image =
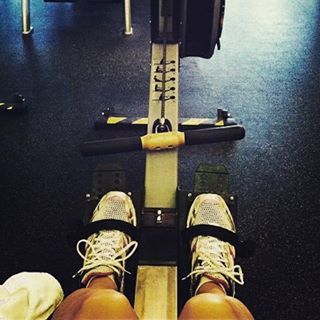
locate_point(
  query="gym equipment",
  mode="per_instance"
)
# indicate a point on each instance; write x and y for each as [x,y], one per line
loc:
[27,29]
[109,120]
[163,140]
[25,14]
[14,105]
[196,26]
[201,27]
[165,206]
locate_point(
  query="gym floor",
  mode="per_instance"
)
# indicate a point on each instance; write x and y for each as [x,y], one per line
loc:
[77,63]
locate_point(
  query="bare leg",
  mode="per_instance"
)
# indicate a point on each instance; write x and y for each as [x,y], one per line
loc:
[100,300]
[211,302]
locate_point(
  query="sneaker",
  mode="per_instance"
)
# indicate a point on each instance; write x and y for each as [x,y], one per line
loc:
[107,250]
[212,259]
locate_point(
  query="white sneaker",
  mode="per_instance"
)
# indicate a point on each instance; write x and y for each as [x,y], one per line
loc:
[107,250]
[212,259]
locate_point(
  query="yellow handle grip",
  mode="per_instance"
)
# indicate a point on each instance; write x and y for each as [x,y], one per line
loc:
[162,141]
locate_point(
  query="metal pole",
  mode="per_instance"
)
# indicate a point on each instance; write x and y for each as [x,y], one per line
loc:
[26,27]
[127,18]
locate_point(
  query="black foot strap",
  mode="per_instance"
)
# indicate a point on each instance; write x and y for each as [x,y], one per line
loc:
[244,248]
[110,224]
[81,231]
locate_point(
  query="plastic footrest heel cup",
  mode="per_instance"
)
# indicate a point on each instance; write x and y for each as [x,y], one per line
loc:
[107,178]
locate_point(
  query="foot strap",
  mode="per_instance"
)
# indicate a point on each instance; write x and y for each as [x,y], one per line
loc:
[81,231]
[110,224]
[244,248]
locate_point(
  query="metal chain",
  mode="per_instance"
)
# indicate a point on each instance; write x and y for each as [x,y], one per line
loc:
[164,68]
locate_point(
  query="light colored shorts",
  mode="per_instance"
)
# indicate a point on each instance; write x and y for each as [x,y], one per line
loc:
[29,296]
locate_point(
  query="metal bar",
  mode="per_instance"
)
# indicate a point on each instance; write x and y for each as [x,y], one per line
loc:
[127,18]
[156,287]
[161,177]
[25,12]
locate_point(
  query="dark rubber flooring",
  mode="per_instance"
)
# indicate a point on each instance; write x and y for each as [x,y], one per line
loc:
[77,63]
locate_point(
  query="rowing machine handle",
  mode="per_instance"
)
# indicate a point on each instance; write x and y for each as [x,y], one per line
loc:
[217,134]
[99,147]
[162,141]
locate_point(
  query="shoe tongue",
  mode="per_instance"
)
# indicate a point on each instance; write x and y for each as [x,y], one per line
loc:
[113,235]
[215,248]
[208,242]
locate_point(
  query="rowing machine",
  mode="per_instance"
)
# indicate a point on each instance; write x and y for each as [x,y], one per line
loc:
[172,38]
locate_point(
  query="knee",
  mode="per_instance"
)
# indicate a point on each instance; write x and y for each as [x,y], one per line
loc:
[100,303]
[205,305]
[104,296]
[214,306]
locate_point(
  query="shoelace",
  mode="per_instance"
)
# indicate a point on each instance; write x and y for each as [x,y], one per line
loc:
[103,253]
[213,255]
